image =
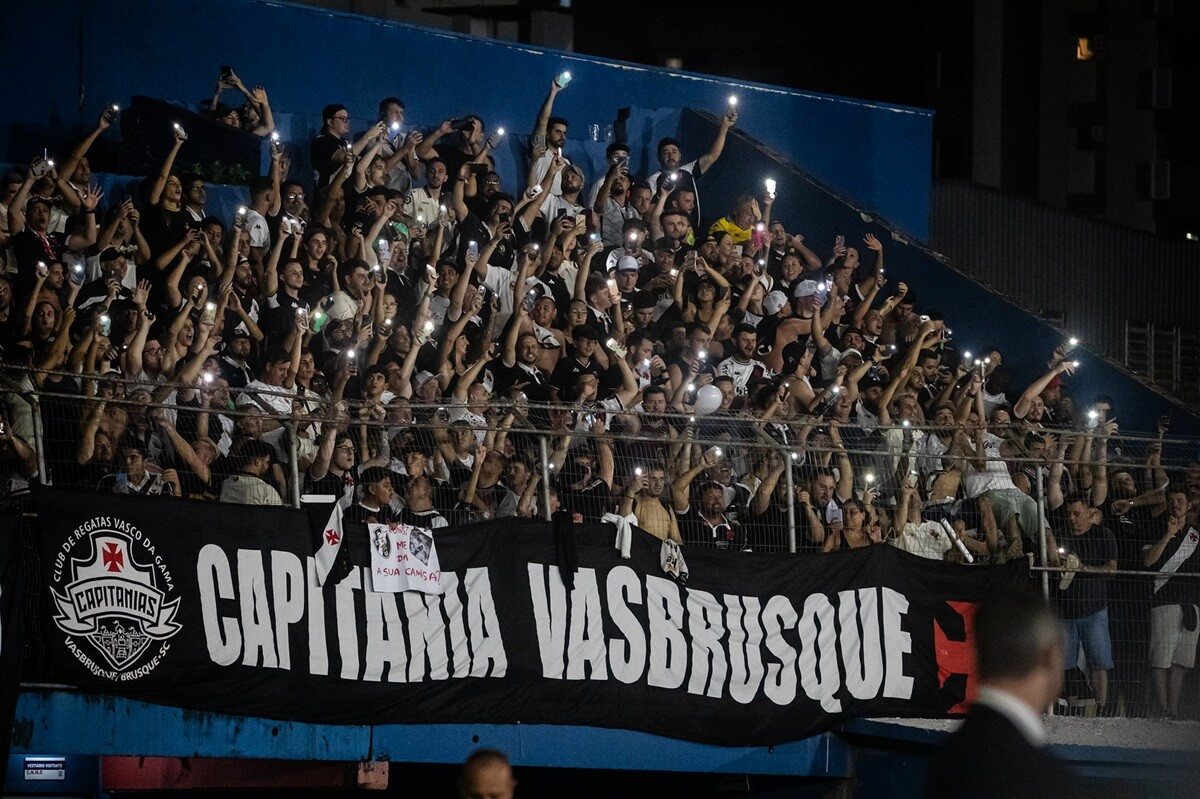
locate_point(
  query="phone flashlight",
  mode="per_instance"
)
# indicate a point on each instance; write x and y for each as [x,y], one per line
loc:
[869,477]
[703,355]
[275,136]
[637,470]
[429,327]
[733,100]
[208,378]
[351,355]
[691,387]
[1075,364]
[770,183]
[395,126]
[499,131]
[241,210]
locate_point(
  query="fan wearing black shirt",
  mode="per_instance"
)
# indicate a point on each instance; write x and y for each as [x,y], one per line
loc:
[702,521]
[582,490]
[375,505]
[768,512]
[330,149]
[581,361]
[418,507]
[332,471]
[1084,602]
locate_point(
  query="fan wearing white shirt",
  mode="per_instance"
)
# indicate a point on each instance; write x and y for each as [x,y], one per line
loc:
[264,202]
[549,135]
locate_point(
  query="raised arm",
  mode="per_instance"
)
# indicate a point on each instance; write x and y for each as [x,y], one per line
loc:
[160,182]
[681,487]
[543,117]
[845,484]
[1038,386]
[762,495]
[718,145]
[68,169]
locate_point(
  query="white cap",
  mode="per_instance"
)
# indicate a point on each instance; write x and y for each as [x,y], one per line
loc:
[627,263]
[806,288]
[773,302]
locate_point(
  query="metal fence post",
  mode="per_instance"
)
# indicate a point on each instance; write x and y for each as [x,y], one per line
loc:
[294,463]
[791,501]
[39,441]
[1041,506]
[545,458]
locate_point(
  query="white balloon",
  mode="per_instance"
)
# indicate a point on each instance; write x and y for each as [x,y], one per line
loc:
[708,399]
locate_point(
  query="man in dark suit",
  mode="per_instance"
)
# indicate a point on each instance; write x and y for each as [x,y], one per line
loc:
[1000,748]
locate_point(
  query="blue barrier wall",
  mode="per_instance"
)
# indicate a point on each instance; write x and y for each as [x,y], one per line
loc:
[81,56]
[978,316]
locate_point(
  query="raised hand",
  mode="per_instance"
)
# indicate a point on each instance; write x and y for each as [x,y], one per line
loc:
[92,196]
[872,242]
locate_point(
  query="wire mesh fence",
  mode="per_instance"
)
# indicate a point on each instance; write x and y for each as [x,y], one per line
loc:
[1108,520]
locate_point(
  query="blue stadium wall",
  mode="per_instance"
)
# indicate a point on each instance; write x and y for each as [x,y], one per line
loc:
[81,56]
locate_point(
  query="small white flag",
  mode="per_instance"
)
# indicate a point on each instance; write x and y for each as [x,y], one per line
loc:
[331,537]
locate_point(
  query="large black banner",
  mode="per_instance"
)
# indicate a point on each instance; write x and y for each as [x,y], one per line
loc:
[218,608]
[12,623]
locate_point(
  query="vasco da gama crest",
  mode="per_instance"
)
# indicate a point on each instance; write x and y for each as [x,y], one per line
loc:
[114,599]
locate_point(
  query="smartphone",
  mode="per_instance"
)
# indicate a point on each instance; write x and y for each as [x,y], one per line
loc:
[226,72]
[473,249]
[562,79]
[210,313]
[302,314]
[105,325]
[533,191]
[122,483]
[41,167]
[112,113]
[42,269]
[77,274]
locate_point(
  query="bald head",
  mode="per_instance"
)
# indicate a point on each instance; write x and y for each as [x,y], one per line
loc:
[487,775]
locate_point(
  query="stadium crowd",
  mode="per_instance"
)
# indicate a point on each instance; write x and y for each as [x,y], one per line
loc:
[398,331]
